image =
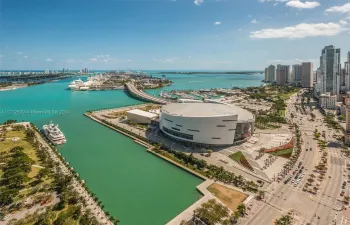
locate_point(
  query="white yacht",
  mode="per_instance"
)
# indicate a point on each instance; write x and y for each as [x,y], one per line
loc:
[75,84]
[84,88]
[54,134]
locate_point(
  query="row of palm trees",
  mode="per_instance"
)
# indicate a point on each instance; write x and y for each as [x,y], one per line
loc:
[287,167]
[76,175]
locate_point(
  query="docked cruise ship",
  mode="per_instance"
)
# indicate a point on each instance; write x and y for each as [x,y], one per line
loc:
[76,84]
[91,82]
[54,134]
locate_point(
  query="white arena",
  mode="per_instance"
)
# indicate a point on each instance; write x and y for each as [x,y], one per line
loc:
[207,124]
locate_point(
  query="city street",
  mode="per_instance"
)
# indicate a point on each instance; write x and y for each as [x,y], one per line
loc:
[325,206]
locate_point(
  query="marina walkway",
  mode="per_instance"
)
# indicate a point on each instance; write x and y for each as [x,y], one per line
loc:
[130,87]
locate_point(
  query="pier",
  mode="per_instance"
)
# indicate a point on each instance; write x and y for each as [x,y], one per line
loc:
[133,91]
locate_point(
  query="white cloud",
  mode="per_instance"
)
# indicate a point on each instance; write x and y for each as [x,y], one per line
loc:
[102,56]
[276,60]
[273,0]
[254,21]
[275,4]
[299,31]
[343,22]
[25,56]
[168,60]
[240,29]
[250,16]
[1,56]
[340,9]
[198,2]
[93,59]
[49,60]
[217,23]
[19,53]
[302,5]
[293,61]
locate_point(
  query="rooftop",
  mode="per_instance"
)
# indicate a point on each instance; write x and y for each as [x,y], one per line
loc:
[207,110]
[142,113]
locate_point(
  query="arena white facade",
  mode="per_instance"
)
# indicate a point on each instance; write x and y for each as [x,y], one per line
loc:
[206,123]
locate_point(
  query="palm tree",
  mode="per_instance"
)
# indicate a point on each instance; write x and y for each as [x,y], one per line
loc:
[241,209]
[116,221]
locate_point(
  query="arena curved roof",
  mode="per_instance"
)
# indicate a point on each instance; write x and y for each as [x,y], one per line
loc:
[207,110]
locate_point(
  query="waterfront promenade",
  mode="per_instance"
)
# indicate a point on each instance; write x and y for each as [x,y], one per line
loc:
[187,214]
[91,204]
[133,91]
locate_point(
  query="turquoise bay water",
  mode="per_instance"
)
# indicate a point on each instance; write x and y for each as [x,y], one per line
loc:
[134,186]
[207,81]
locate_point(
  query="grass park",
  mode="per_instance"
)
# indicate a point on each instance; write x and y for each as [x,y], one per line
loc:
[240,158]
[286,153]
[29,178]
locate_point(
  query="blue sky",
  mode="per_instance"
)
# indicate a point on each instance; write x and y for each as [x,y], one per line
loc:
[169,34]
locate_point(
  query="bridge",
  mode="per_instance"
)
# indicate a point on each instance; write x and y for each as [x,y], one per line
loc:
[133,91]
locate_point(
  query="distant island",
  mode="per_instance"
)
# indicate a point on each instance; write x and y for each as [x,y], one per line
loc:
[213,72]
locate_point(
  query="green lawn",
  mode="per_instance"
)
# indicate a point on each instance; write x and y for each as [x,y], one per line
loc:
[8,144]
[239,157]
[283,152]
[286,153]
[28,149]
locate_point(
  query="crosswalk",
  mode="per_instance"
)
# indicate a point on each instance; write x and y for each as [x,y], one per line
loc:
[344,221]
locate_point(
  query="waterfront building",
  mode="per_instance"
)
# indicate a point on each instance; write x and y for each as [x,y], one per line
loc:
[330,70]
[266,74]
[296,73]
[282,74]
[327,100]
[63,71]
[307,75]
[206,124]
[47,71]
[272,73]
[140,116]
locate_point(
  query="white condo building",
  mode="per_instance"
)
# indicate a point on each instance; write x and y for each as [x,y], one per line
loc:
[330,70]
[327,100]
[208,124]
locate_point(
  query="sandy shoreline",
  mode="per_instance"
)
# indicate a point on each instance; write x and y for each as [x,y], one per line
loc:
[11,88]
